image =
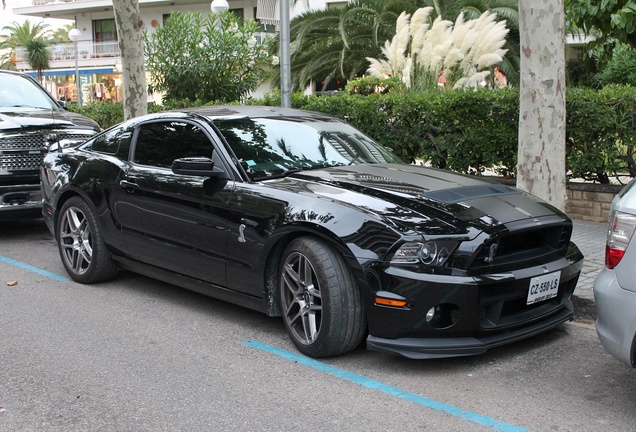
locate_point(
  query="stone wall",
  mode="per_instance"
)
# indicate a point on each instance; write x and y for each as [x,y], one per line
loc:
[590,202]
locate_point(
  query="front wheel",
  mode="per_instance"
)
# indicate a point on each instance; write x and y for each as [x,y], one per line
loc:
[84,254]
[321,305]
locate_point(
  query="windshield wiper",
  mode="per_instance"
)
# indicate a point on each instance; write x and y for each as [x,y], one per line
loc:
[278,175]
[26,106]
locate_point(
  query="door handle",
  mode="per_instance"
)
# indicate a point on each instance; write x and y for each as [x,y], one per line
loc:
[128,186]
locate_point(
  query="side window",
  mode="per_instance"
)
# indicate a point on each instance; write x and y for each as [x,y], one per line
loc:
[160,143]
[110,141]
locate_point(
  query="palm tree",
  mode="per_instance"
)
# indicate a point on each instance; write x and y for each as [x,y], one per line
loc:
[334,43]
[60,34]
[38,56]
[19,35]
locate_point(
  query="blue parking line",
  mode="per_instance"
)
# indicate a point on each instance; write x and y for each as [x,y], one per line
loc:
[33,269]
[388,389]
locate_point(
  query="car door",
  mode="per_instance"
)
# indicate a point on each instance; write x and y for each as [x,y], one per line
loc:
[172,221]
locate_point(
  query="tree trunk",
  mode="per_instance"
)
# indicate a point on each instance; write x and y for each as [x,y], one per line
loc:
[541,154]
[129,35]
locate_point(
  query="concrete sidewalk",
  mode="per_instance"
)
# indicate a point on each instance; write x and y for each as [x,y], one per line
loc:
[590,238]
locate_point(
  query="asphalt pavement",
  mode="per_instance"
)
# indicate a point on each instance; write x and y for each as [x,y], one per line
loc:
[590,238]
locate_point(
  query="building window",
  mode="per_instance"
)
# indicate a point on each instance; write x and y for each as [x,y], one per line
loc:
[239,13]
[105,37]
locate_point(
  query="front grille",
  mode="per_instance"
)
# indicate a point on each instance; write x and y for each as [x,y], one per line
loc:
[26,152]
[22,142]
[521,249]
[14,162]
[75,137]
[505,306]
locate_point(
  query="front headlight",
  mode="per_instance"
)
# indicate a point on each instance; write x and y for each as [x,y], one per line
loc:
[433,253]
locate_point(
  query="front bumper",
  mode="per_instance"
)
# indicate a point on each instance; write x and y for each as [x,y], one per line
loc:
[429,348]
[20,200]
[485,311]
[616,322]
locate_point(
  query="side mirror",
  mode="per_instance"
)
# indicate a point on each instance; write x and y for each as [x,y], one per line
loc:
[196,166]
[61,104]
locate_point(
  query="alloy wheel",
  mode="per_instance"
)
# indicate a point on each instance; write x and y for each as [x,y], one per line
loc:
[301,298]
[75,240]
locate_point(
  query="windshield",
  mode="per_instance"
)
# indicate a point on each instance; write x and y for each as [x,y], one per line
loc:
[19,92]
[273,147]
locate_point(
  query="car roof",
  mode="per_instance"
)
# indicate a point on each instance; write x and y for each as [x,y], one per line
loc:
[251,111]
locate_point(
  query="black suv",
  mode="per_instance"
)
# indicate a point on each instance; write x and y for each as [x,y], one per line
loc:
[31,122]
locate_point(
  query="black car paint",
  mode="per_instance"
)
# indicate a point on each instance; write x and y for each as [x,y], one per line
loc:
[36,119]
[173,231]
[25,134]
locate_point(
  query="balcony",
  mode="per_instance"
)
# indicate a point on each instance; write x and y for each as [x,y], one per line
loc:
[89,54]
[63,55]
[68,9]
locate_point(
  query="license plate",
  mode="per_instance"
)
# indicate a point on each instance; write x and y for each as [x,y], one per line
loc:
[543,288]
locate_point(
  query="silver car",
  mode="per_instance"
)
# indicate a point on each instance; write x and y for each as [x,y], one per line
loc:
[615,286]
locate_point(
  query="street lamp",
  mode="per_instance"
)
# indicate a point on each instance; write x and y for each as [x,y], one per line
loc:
[285,55]
[219,6]
[74,35]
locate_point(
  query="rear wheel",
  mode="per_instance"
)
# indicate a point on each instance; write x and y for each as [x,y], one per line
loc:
[82,249]
[320,303]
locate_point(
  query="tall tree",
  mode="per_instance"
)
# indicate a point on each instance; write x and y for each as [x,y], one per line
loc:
[60,34]
[38,55]
[607,19]
[130,38]
[541,154]
[17,35]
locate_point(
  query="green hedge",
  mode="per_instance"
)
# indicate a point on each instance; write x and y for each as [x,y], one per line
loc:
[473,130]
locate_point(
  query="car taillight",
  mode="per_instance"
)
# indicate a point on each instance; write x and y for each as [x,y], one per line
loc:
[621,229]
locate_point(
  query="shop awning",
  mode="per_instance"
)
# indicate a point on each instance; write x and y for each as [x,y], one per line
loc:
[66,72]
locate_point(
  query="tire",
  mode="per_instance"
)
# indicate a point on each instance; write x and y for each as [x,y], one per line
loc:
[320,303]
[84,254]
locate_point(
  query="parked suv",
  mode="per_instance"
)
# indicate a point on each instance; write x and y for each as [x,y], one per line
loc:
[615,286]
[31,122]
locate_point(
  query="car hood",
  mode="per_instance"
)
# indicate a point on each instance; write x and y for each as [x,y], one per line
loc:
[21,118]
[429,200]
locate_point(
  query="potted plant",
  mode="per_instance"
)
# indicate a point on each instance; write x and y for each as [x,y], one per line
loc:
[84,53]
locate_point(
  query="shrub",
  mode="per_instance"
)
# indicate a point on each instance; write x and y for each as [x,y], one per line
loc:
[370,85]
[211,58]
[467,131]
[621,69]
[601,133]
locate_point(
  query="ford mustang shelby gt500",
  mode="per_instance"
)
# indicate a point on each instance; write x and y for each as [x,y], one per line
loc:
[298,214]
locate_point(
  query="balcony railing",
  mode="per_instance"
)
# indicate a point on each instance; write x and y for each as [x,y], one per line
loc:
[85,49]
[29,3]
[89,49]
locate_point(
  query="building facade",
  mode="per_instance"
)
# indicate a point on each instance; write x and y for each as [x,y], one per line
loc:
[98,56]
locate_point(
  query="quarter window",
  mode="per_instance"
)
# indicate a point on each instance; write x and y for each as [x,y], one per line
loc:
[159,144]
[109,142]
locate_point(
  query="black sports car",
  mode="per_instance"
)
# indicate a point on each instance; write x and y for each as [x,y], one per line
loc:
[298,214]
